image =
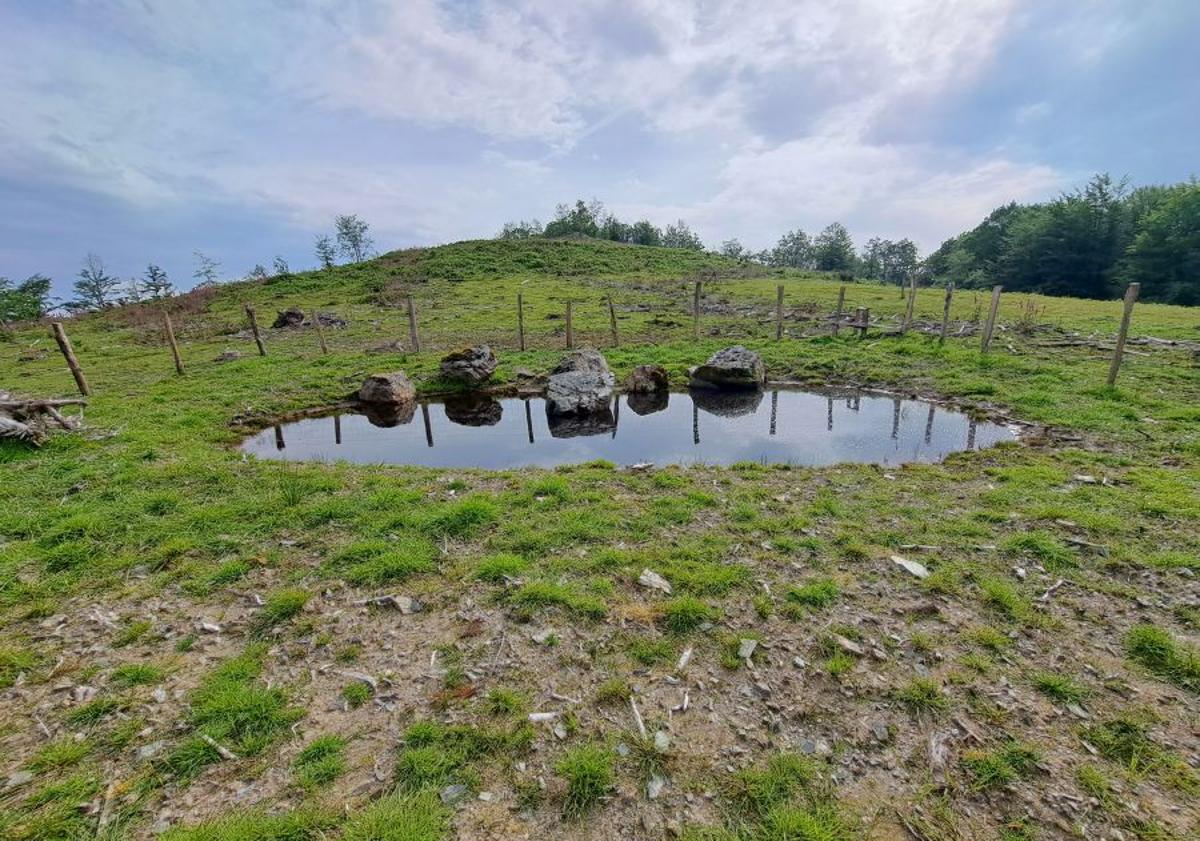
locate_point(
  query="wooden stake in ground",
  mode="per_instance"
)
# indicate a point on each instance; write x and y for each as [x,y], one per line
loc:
[570,328]
[320,332]
[912,301]
[837,314]
[262,349]
[946,312]
[414,338]
[171,340]
[990,325]
[1131,296]
[612,321]
[64,344]
[779,312]
[696,312]
[862,318]
[520,321]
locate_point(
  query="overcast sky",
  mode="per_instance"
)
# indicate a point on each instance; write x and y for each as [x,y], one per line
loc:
[143,130]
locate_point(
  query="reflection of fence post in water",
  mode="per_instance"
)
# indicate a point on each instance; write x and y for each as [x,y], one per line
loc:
[428,428]
[970,433]
[616,414]
[829,414]
[929,424]
[278,437]
[895,418]
[695,422]
[337,429]
[529,421]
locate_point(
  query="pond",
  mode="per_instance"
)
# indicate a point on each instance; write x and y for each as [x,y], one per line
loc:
[772,427]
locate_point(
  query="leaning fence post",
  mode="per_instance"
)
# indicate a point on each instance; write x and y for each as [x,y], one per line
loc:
[912,300]
[320,332]
[520,321]
[414,337]
[946,312]
[837,314]
[779,312]
[570,328]
[612,321]
[262,349]
[1131,296]
[696,311]
[171,341]
[64,344]
[990,324]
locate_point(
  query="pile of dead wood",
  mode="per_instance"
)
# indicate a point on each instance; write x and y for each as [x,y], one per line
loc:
[33,420]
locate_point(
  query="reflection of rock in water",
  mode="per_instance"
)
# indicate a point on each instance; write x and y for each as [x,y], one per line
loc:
[727,404]
[598,422]
[473,410]
[389,414]
[647,403]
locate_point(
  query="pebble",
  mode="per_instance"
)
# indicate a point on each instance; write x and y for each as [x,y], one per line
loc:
[746,648]
[453,793]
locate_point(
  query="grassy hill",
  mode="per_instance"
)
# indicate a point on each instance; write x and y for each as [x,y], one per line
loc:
[161,595]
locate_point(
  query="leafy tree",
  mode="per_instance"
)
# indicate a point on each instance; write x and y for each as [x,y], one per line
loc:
[614,229]
[352,239]
[156,283]
[892,261]
[135,292]
[259,272]
[281,267]
[206,269]
[582,220]
[643,232]
[521,230]
[680,235]
[326,252]
[1165,254]
[24,301]
[794,250]
[733,248]
[95,288]
[833,249]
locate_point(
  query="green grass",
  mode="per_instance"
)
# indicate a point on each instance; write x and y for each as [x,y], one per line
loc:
[1059,687]
[356,694]
[539,595]
[507,702]
[1001,766]
[320,762]
[279,608]
[813,595]
[588,772]
[137,674]
[373,563]
[63,752]
[419,816]
[612,692]
[1159,652]
[438,755]
[302,825]
[685,614]
[1125,739]
[497,568]
[923,695]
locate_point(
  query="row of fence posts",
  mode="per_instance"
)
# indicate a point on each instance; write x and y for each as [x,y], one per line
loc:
[861,322]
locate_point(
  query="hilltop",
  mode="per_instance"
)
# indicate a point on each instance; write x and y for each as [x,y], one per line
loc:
[188,641]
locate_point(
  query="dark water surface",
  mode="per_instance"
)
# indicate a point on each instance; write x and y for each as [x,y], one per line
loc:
[774,427]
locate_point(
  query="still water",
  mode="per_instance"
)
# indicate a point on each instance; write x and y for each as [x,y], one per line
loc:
[774,427]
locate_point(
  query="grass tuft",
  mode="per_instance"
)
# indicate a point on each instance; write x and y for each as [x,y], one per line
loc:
[1158,651]
[588,771]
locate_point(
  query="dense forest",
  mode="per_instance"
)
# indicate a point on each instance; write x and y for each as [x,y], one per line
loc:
[1087,243]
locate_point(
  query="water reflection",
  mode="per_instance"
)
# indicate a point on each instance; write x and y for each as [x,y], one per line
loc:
[792,427]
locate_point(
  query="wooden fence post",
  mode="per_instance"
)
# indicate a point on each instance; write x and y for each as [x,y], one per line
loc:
[250,314]
[570,328]
[779,312]
[912,301]
[1131,296]
[520,321]
[990,325]
[320,332]
[612,321]
[696,311]
[946,313]
[862,318]
[171,341]
[414,338]
[64,344]
[837,314]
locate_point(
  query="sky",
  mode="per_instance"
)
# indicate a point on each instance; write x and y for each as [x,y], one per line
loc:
[146,130]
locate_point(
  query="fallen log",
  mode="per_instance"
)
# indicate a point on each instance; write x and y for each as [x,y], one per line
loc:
[31,420]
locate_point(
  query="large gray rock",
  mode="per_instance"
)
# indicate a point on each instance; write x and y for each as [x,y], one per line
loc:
[733,367]
[472,365]
[648,378]
[581,384]
[387,388]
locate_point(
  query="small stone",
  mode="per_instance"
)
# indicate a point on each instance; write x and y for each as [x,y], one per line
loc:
[544,636]
[911,567]
[486,796]
[662,741]
[209,627]
[159,695]
[18,778]
[453,793]
[808,746]
[848,645]
[149,751]
[880,732]
[559,731]
[746,648]
[654,787]
[651,579]
[799,662]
